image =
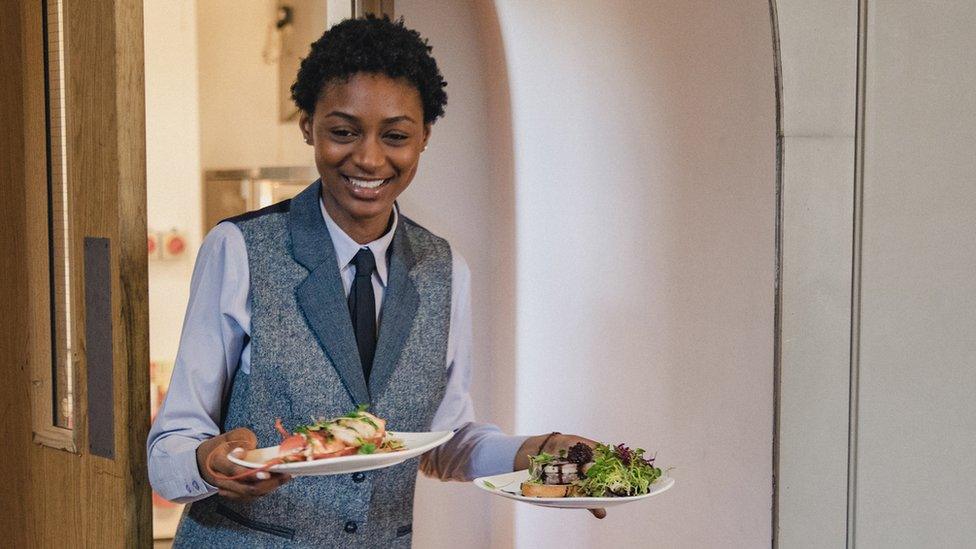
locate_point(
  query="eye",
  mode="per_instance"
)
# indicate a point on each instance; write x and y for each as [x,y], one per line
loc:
[342,134]
[397,137]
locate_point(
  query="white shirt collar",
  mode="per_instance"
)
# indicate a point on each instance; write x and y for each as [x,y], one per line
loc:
[346,247]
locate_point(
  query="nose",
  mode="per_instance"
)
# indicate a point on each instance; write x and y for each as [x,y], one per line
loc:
[369,156]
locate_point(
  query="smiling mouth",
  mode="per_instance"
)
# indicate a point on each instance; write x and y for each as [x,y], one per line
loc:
[367,184]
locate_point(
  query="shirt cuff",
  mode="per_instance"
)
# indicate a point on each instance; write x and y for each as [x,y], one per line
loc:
[495,454]
[173,471]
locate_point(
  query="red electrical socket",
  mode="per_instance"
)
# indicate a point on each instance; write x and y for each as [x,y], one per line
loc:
[174,244]
[152,244]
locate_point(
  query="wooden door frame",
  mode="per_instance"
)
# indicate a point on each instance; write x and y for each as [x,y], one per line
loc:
[15,426]
[59,497]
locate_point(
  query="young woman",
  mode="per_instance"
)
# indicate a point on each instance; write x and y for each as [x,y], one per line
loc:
[314,305]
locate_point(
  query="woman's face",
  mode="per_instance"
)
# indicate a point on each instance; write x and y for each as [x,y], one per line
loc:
[367,133]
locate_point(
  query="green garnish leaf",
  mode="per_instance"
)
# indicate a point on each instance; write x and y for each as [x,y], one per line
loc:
[490,485]
[542,459]
[368,448]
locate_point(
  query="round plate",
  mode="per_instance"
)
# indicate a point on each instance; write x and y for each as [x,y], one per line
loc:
[508,485]
[414,443]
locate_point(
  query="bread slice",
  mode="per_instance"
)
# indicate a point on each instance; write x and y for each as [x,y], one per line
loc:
[533,490]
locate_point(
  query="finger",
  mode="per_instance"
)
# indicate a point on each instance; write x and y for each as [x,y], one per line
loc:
[260,475]
[251,489]
[598,513]
[248,488]
[221,469]
[220,462]
[262,486]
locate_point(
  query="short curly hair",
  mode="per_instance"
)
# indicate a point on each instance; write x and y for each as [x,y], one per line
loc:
[371,45]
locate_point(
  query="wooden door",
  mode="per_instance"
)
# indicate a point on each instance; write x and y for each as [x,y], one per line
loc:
[74,328]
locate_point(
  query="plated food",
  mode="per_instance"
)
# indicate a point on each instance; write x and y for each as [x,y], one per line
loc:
[602,471]
[414,445]
[582,478]
[358,432]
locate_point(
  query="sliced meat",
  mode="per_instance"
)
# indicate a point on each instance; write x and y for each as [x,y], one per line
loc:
[559,472]
[365,430]
[345,434]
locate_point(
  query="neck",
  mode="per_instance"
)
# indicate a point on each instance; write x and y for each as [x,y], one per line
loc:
[362,230]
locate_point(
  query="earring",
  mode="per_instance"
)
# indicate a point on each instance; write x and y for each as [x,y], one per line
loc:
[425,148]
[308,140]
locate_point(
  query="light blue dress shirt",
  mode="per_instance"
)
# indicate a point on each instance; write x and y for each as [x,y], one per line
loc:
[214,343]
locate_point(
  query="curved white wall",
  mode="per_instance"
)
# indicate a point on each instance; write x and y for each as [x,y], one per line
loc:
[644,197]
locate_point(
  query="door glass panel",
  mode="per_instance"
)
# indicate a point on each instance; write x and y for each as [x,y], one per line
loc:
[58,219]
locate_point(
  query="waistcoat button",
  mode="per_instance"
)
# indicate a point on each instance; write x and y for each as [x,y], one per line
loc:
[358,477]
[351,527]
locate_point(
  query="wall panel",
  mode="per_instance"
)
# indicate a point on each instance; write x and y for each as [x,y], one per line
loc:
[916,475]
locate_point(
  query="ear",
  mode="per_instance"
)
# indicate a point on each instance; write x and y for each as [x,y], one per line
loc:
[426,135]
[305,123]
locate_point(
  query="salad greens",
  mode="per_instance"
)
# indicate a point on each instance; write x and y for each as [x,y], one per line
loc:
[619,471]
[606,470]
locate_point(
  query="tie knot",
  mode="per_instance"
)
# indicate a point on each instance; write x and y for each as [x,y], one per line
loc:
[365,263]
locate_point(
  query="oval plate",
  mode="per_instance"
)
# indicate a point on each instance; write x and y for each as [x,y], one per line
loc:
[508,485]
[415,445]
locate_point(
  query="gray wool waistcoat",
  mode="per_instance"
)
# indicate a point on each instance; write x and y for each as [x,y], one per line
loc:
[305,364]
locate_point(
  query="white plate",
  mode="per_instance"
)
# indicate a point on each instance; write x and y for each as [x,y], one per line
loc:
[414,443]
[508,485]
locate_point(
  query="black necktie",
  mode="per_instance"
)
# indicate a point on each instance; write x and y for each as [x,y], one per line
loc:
[362,308]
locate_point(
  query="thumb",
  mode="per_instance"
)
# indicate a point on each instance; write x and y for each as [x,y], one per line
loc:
[241,437]
[598,513]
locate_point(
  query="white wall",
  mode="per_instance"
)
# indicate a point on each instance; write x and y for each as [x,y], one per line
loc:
[644,198]
[172,161]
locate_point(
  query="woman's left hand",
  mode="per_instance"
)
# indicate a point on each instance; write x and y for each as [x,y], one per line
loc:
[552,444]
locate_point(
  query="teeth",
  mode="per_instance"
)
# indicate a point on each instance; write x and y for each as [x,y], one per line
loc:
[366,183]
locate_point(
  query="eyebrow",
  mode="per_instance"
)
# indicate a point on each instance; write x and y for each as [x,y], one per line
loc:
[390,120]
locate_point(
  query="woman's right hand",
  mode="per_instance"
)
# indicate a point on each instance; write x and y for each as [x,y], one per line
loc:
[246,489]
